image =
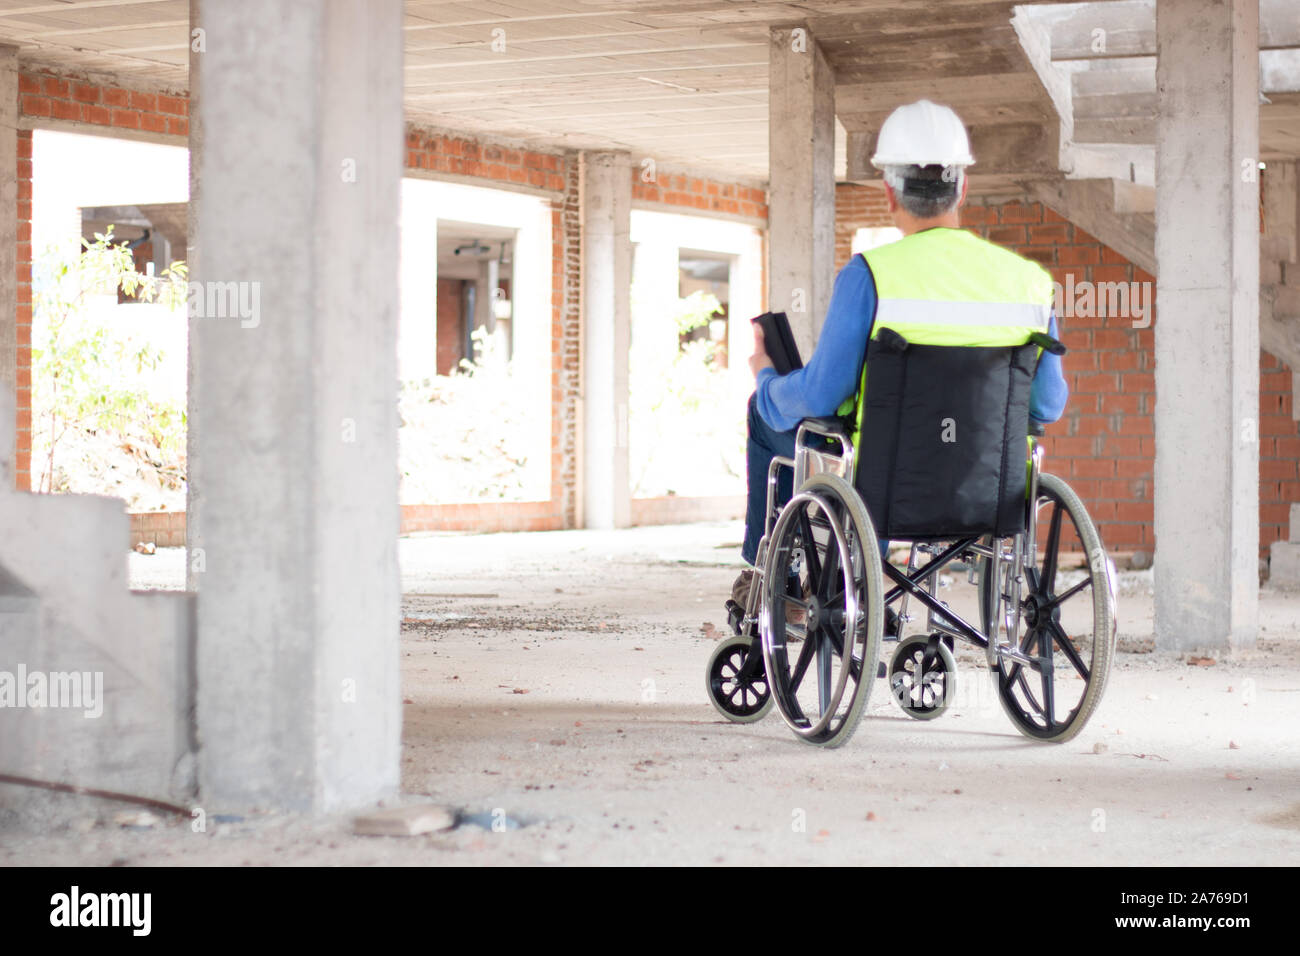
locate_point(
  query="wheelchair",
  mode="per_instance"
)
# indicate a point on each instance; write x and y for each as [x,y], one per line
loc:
[823,600]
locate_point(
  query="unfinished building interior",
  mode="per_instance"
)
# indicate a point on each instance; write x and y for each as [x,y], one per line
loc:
[382,171]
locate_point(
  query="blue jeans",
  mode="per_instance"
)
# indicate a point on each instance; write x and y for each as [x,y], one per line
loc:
[763,444]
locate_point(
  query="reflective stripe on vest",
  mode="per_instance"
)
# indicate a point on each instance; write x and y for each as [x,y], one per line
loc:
[950,287]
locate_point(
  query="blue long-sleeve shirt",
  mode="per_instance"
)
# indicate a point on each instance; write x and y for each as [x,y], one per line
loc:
[831,375]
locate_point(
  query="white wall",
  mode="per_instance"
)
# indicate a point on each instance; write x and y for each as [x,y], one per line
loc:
[424,202]
[70,171]
[691,462]
[662,236]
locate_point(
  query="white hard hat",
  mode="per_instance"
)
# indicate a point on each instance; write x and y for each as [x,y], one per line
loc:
[922,134]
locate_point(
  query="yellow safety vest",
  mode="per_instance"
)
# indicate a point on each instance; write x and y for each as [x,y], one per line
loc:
[948,286]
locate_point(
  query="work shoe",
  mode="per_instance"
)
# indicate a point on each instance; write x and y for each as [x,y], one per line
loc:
[740,594]
[892,623]
[740,589]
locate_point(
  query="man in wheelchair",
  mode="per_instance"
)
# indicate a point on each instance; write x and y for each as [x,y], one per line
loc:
[937,356]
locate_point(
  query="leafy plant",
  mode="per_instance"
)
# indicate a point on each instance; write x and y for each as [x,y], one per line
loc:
[86,374]
[686,413]
[695,310]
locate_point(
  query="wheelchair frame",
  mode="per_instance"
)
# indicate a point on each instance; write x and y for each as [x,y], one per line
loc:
[1000,569]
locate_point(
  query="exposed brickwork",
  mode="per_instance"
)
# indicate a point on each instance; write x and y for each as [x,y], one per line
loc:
[450,327]
[428,150]
[481,516]
[23,318]
[58,98]
[464,156]
[1279,451]
[857,207]
[1104,446]
[566,298]
[165,529]
[677,509]
[61,98]
[696,193]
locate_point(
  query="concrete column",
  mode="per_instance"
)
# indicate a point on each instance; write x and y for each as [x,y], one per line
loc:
[801,203]
[606,334]
[300,161]
[8,239]
[1207,325]
[195,551]
[489,271]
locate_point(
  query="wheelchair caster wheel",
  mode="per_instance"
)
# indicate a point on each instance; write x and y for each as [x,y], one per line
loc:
[923,692]
[739,696]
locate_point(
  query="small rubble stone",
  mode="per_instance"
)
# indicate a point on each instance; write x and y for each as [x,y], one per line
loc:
[405,821]
[139,819]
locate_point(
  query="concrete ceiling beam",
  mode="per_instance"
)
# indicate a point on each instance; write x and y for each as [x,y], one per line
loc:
[1097,31]
[1091,203]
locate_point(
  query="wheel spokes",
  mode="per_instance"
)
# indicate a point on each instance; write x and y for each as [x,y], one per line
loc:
[801,665]
[830,570]
[1046,672]
[1071,652]
[811,557]
[825,660]
[1060,599]
[1052,551]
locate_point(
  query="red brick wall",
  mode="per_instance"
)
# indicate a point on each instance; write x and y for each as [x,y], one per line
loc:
[23,318]
[704,195]
[56,97]
[566,359]
[1279,451]
[857,207]
[450,325]
[463,156]
[1104,446]
[60,98]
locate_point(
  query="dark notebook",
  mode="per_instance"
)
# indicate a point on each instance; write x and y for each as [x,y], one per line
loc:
[778,340]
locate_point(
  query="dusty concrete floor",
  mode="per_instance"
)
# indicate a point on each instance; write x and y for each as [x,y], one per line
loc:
[557,679]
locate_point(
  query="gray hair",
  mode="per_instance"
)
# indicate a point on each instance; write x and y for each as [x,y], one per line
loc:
[926,192]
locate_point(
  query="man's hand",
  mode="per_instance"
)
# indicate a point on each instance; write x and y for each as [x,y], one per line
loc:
[759,360]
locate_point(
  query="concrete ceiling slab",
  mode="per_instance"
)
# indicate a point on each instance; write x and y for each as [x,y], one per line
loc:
[685,81]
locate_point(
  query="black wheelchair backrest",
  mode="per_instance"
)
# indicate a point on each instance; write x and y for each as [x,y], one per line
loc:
[942,449]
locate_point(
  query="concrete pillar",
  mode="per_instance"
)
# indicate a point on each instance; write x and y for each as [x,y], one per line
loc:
[489,271]
[1207,326]
[8,236]
[801,163]
[300,160]
[606,336]
[195,552]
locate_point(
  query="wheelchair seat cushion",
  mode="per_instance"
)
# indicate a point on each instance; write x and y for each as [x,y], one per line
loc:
[942,446]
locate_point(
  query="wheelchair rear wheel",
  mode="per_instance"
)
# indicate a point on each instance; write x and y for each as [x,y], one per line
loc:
[824,540]
[1066,621]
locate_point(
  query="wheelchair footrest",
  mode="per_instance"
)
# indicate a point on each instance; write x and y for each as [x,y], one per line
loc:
[735,616]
